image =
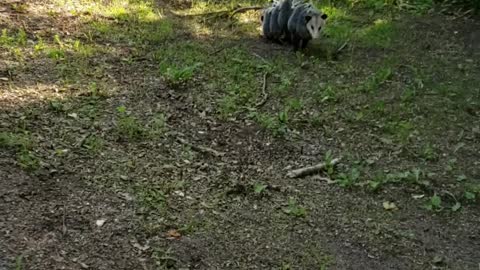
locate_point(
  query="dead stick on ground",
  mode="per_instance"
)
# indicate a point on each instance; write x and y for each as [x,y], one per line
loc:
[244,9]
[264,91]
[202,149]
[224,12]
[311,170]
[261,58]
[341,47]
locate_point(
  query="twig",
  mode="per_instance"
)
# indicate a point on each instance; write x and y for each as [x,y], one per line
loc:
[260,57]
[244,9]
[341,47]
[326,179]
[462,15]
[264,91]
[217,51]
[311,170]
[223,12]
[202,149]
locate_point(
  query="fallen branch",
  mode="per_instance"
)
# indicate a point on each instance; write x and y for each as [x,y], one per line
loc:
[264,91]
[230,13]
[311,170]
[217,51]
[260,57]
[326,179]
[244,9]
[341,47]
[202,149]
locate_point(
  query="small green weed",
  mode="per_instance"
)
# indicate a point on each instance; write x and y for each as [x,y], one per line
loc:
[259,188]
[325,94]
[28,160]
[380,34]
[15,141]
[348,180]
[472,192]
[19,262]
[55,53]
[158,125]
[6,40]
[93,143]
[57,106]
[128,126]
[176,77]
[277,125]
[434,203]
[164,258]
[374,82]
[294,104]
[401,130]
[152,198]
[429,153]
[294,209]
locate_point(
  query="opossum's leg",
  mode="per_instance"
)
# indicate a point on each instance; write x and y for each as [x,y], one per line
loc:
[296,42]
[304,43]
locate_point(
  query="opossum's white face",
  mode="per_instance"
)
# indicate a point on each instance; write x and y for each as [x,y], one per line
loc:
[315,24]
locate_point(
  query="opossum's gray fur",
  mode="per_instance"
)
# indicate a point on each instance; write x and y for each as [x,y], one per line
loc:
[266,22]
[305,23]
[292,20]
[275,30]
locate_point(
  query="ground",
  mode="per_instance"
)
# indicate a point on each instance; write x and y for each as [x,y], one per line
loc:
[138,135]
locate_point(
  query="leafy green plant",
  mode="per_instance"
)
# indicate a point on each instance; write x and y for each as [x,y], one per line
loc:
[158,125]
[374,82]
[347,180]
[93,143]
[27,160]
[429,153]
[325,94]
[19,262]
[434,203]
[472,192]
[175,76]
[259,188]
[128,126]
[294,209]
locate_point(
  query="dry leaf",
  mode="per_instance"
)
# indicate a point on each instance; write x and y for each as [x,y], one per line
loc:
[389,206]
[173,234]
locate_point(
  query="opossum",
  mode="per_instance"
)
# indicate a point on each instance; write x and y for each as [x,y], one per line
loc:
[285,11]
[275,30]
[265,18]
[305,23]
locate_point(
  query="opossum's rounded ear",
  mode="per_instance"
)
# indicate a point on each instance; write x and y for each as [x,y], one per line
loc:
[324,16]
[308,18]
[261,18]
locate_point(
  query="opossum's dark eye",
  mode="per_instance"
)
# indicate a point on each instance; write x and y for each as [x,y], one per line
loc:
[311,27]
[319,28]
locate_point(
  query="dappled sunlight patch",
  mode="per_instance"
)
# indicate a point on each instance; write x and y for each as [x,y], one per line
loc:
[379,34]
[200,7]
[21,95]
[334,13]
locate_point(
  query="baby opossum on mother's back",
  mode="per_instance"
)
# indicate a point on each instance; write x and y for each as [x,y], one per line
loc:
[305,24]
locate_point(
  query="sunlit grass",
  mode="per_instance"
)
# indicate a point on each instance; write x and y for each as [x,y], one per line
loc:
[379,34]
